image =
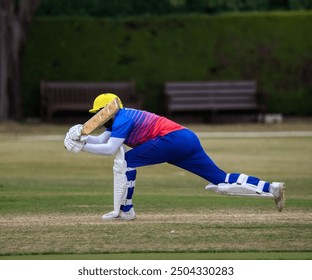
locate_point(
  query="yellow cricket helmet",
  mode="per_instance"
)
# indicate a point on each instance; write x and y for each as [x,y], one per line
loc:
[102,100]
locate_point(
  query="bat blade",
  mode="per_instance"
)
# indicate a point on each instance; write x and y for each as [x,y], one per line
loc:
[101,117]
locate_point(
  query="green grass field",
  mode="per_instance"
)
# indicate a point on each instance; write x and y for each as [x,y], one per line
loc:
[51,201]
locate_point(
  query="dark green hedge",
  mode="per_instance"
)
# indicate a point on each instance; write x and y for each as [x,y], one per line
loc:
[117,8]
[272,48]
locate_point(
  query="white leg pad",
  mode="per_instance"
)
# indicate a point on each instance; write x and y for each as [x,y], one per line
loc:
[239,190]
[120,182]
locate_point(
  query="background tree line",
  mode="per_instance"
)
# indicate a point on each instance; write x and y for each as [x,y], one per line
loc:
[16,18]
[119,8]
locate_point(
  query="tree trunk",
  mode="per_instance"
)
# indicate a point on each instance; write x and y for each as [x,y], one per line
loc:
[15,21]
[4,97]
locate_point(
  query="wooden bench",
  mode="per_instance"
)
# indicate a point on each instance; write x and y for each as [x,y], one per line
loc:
[212,96]
[59,96]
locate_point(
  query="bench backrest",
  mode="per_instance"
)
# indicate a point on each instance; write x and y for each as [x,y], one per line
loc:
[85,92]
[210,95]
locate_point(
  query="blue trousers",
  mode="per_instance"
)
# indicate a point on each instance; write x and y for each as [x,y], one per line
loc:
[182,148]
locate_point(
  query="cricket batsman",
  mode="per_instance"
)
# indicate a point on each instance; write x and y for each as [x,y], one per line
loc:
[152,140]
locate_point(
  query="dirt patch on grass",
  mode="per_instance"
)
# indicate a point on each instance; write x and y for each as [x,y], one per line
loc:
[224,217]
[213,217]
[226,230]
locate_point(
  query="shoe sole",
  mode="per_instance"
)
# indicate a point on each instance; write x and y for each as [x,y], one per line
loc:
[126,218]
[280,202]
[117,218]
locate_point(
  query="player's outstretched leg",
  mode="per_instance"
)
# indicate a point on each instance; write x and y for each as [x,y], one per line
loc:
[243,185]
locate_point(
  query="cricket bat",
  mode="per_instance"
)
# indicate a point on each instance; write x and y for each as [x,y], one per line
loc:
[101,117]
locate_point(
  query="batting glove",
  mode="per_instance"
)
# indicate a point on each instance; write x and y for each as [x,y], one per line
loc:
[72,145]
[74,132]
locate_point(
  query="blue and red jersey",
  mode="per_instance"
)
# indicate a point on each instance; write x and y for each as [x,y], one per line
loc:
[138,126]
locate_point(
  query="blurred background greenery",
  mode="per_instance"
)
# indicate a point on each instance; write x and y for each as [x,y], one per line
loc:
[152,42]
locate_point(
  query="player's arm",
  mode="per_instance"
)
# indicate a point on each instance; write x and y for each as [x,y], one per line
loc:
[108,148]
[101,139]
[75,142]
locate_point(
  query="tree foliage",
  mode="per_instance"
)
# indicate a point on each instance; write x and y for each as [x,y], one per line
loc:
[119,8]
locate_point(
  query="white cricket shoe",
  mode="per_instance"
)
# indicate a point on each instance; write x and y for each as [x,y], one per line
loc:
[278,191]
[130,215]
